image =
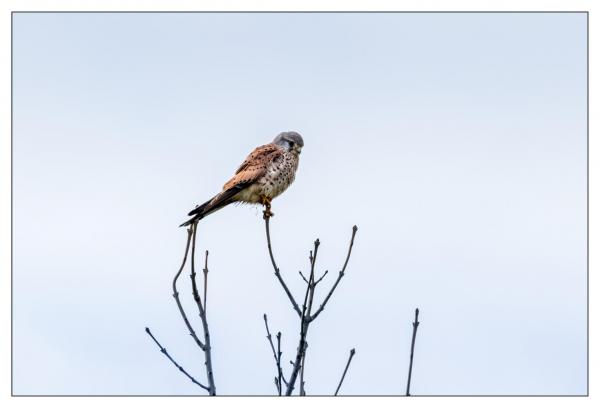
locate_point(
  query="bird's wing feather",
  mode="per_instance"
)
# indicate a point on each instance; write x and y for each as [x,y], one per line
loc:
[222,199]
[217,202]
[255,166]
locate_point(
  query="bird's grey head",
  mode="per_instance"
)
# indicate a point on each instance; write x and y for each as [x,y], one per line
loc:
[290,141]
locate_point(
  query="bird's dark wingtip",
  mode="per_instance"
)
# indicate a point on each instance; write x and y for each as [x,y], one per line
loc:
[189,222]
[192,220]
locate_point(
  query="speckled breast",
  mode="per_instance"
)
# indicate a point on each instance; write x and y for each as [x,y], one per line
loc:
[280,175]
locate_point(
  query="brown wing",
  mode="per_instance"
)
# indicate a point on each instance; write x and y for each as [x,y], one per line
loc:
[255,166]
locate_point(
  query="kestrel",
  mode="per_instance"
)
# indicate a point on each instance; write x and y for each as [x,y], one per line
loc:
[266,173]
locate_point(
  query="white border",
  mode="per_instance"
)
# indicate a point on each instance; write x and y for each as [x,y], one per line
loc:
[7,6]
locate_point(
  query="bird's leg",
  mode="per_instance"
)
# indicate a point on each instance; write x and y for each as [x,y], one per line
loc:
[266,201]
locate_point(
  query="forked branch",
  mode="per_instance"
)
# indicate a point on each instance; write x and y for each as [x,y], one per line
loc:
[276,355]
[305,313]
[339,278]
[190,232]
[204,345]
[202,314]
[304,323]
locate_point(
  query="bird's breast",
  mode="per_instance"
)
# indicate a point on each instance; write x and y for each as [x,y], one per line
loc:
[280,175]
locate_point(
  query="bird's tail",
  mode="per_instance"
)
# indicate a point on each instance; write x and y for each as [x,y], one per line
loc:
[197,214]
[216,203]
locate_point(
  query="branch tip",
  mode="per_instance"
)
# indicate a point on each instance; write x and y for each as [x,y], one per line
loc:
[164,351]
[352,352]
[415,325]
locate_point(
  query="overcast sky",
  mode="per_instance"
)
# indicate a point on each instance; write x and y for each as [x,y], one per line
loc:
[456,143]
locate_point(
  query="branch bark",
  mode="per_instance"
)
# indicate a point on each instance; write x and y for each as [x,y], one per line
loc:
[302,383]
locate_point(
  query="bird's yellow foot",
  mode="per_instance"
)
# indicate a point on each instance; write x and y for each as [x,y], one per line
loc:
[266,201]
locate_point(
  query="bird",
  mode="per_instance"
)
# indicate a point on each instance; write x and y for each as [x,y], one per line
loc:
[266,173]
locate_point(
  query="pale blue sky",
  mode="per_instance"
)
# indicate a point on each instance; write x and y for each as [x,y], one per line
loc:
[456,143]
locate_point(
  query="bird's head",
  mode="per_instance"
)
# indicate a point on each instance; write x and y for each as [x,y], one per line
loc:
[290,141]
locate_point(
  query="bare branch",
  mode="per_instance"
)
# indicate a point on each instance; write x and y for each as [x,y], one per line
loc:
[275,267]
[276,355]
[280,376]
[164,351]
[311,280]
[190,231]
[412,350]
[321,278]
[301,344]
[205,271]
[303,277]
[340,276]
[202,313]
[305,313]
[352,352]
[304,322]
[302,383]
[269,337]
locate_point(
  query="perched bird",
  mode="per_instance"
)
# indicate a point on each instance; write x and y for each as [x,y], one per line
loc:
[266,173]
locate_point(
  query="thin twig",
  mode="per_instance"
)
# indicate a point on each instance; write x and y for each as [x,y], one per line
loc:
[412,350]
[269,337]
[202,313]
[352,352]
[164,351]
[321,278]
[276,355]
[190,231]
[303,277]
[311,283]
[205,271]
[279,370]
[340,276]
[276,268]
